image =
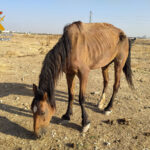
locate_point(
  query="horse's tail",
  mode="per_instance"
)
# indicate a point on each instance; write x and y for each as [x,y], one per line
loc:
[127,68]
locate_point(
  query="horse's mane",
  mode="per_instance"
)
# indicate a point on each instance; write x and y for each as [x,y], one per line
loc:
[53,64]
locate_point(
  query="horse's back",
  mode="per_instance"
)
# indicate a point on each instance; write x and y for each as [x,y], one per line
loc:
[93,44]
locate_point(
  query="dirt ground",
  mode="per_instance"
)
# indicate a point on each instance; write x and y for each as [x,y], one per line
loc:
[126,128]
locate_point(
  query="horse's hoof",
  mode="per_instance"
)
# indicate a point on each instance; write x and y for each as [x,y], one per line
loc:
[101,102]
[65,117]
[108,112]
[100,106]
[86,128]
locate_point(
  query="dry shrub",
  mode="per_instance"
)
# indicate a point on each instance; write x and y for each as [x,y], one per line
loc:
[28,35]
[48,40]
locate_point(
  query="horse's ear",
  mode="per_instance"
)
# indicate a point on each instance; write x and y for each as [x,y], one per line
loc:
[45,96]
[34,89]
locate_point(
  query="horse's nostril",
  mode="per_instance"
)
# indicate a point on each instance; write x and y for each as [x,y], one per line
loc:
[39,136]
[43,131]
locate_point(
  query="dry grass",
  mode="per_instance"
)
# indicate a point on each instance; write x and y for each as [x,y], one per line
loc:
[22,45]
[18,71]
[140,51]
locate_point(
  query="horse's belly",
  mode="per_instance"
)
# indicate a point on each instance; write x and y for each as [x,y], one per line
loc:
[102,61]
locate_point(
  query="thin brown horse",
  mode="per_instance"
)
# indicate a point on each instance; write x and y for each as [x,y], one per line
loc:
[82,47]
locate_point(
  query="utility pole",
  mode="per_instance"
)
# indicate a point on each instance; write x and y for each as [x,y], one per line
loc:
[90,17]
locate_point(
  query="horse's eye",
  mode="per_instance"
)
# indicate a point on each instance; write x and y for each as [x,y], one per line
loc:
[42,113]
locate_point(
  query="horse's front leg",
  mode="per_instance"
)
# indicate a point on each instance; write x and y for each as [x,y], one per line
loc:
[71,84]
[83,77]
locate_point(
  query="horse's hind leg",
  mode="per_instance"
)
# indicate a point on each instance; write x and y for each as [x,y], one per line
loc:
[71,84]
[118,69]
[101,102]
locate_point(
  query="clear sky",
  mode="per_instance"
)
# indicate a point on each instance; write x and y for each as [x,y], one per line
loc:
[50,16]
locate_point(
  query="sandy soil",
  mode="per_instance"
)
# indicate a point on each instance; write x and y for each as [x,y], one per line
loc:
[126,128]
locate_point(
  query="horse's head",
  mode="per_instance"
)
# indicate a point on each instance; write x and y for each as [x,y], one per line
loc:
[42,111]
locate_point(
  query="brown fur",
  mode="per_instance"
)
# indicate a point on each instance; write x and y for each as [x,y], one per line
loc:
[82,47]
[94,45]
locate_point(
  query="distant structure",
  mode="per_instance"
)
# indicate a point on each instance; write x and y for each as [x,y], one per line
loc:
[90,17]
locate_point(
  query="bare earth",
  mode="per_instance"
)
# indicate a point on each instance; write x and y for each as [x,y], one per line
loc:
[126,128]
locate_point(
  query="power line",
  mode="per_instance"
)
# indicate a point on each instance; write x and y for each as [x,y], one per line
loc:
[90,17]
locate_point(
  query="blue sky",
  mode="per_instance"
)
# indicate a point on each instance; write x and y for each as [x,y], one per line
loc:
[50,16]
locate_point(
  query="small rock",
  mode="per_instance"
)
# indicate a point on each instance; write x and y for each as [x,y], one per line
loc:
[135,137]
[17,98]
[71,145]
[122,121]
[146,133]
[95,148]
[141,80]
[18,148]
[108,121]
[25,104]
[146,107]
[53,133]
[81,144]
[22,79]
[117,141]
[97,92]
[106,143]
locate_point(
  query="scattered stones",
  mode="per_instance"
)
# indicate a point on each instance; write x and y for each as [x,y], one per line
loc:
[146,133]
[95,148]
[117,141]
[95,93]
[25,105]
[135,137]
[146,107]
[17,98]
[18,148]
[65,138]
[106,143]
[70,145]
[33,71]
[108,121]
[53,133]
[122,121]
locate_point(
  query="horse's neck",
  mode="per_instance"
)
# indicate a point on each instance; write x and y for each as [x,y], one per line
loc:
[52,68]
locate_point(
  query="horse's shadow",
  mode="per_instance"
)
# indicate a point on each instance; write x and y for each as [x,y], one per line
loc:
[56,120]
[26,90]
[7,89]
[10,128]
[63,97]
[15,110]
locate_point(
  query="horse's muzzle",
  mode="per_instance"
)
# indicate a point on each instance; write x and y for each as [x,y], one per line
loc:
[41,133]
